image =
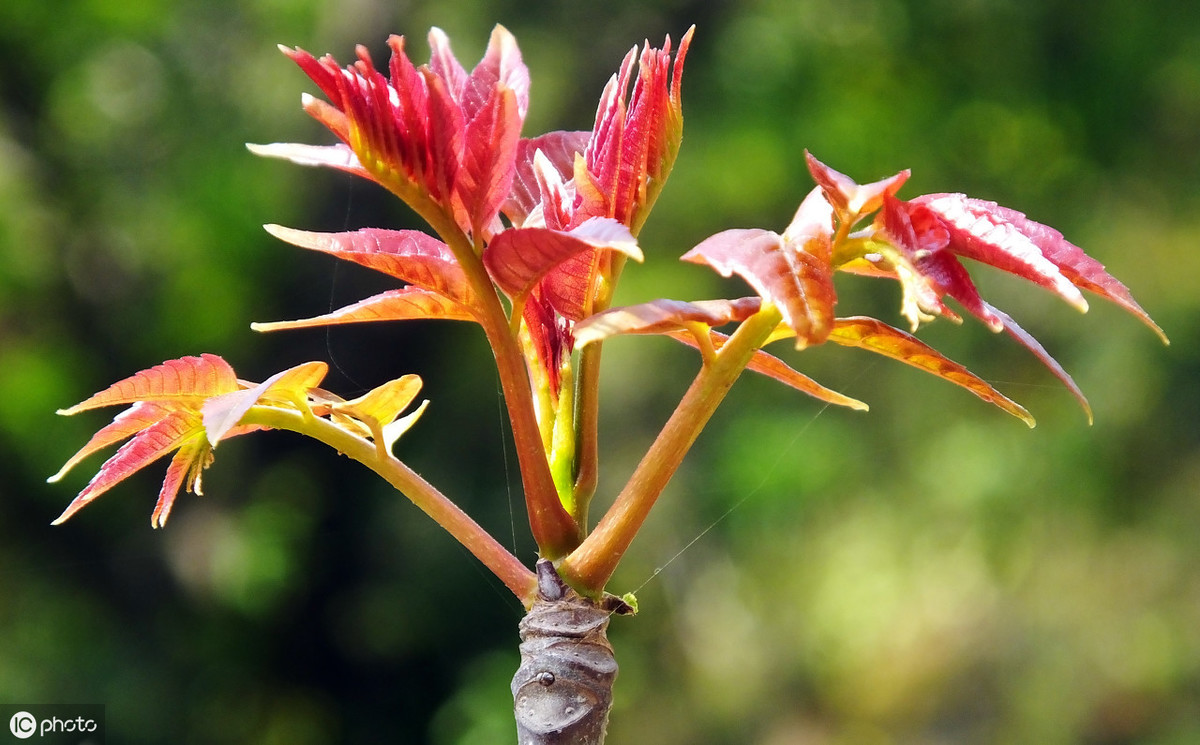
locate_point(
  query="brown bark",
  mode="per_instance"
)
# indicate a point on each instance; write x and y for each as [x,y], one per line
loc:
[563,689]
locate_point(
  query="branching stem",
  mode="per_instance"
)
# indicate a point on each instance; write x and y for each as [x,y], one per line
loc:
[589,567]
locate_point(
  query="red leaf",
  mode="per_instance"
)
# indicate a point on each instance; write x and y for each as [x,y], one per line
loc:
[187,380]
[1008,240]
[634,142]
[773,367]
[876,336]
[851,200]
[146,447]
[406,303]
[1026,340]
[409,255]
[922,238]
[446,128]
[662,316]
[486,176]
[984,231]
[797,281]
[500,69]
[560,148]
[520,257]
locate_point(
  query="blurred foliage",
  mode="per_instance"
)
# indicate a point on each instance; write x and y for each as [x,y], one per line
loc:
[930,572]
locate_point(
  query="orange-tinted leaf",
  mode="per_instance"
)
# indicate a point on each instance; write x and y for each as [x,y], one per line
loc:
[794,278]
[187,380]
[147,446]
[519,258]
[851,200]
[409,255]
[125,425]
[661,316]
[876,336]
[186,466]
[773,367]
[404,304]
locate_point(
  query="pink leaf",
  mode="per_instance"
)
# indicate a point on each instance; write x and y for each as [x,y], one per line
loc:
[520,257]
[500,68]
[409,255]
[146,447]
[186,465]
[876,336]
[332,156]
[125,425]
[851,200]
[985,232]
[661,316]
[1008,240]
[1033,345]
[797,281]
[560,148]
[775,368]
[485,179]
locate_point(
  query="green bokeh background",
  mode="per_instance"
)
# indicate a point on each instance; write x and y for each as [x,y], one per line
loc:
[930,572]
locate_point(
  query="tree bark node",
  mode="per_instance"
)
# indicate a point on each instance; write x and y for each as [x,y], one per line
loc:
[563,689]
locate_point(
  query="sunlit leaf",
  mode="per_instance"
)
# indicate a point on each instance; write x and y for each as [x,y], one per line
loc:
[333,156]
[289,387]
[519,258]
[983,231]
[851,200]
[490,146]
[1029,342]
[126,424]
[876,336]
[378,409]
[181,381]
[404,304]
[797,281]
[775,368]
[409,255]
[152,443]
[186,465]
[661,316]
[1008,240]
[560,149]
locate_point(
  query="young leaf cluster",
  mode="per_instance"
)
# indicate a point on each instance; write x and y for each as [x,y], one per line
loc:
[528,238]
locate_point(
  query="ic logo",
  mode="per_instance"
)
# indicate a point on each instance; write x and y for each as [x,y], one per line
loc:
[22,725]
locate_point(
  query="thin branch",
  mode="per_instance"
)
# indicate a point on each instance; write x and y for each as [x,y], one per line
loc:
[515,575]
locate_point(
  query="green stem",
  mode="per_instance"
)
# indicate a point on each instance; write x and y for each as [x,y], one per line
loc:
[590,565]
[515,575]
